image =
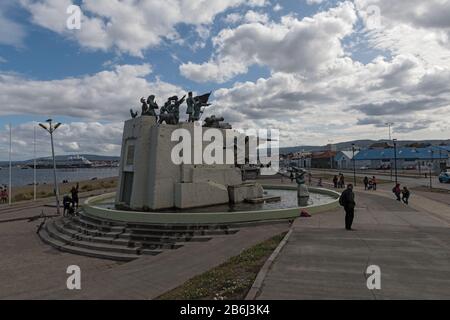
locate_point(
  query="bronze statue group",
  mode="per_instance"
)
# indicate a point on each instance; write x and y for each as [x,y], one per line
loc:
[170,111]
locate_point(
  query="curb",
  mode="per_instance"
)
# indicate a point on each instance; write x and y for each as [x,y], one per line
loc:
[257,285]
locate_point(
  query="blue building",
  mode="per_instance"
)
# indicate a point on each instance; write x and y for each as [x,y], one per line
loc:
[407,158]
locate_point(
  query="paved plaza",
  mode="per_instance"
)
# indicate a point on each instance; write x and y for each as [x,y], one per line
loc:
[320,260]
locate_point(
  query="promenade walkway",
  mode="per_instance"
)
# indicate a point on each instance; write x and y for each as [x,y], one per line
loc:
[410,244]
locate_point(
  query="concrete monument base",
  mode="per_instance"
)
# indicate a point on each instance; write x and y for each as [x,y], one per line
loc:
[150,180]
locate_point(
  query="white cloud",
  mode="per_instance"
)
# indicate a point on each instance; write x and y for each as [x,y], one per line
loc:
[70,138]
[289,46]
[277,7]
[107,95]
[233,18]
[253,16]
[129,26]
[12,33]
[311,2]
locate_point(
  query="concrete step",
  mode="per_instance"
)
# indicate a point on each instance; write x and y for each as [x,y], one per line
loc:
[68,229]
[163,239]
[54,233]
[91,231]
[81,220]
[178,233]
[62,246]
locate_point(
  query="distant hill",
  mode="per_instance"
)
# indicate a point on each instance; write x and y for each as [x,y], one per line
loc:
[90,157]
[360,144]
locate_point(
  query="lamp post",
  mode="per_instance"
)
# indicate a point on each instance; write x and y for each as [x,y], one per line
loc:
[10,166]
[390,124]
[431,168]
[354,165]
[50,129]
[34,165]
[395,160]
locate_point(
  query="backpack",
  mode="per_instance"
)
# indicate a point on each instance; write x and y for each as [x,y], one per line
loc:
[341,200]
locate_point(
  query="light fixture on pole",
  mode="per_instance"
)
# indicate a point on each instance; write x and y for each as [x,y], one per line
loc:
[395,160]
[354,165]
[50,129]
[389,124]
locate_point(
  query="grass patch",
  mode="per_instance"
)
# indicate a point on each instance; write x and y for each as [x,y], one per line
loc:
[231,280]
[26,193]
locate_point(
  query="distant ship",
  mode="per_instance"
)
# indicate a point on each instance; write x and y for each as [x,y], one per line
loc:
[69,162]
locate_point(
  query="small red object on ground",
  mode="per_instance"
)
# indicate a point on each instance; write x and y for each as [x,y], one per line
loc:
[304,214]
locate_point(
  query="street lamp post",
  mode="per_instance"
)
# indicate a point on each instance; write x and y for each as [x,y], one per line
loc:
[390,124]
[431,168]
[395,160]
[50,129]
[10,166]
[354,165]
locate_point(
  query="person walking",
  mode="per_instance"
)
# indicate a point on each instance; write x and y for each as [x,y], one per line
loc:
[292,177]
[405,195]
[2,195]
[374,182]
[335,181]
[342,181]
[67,204]
[347,200]
[366,183]
[397,191]
[75,199]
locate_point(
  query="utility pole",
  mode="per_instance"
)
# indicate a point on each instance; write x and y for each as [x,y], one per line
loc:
[10,165]
[431,168]
[354,165]
[34,165]
[50,129]
[389,124]
[331,153]
[395,160]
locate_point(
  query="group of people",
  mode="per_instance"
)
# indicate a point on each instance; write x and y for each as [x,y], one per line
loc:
[339,181]
[370,184]
[401,194]
[71,203]
[4,196]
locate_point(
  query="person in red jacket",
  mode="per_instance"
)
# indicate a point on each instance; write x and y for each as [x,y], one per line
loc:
[397,191]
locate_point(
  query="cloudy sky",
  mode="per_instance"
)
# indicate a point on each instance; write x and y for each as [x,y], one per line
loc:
[318,70]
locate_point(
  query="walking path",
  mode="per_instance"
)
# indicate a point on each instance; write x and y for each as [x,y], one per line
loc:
[321,260]
[34,270]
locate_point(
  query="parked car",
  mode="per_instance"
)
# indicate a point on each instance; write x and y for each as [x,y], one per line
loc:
[364,168]
[444,177]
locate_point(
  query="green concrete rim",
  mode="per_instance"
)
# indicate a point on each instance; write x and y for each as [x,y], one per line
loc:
[208,218]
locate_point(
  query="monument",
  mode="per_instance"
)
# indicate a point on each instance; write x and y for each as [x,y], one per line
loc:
[150,180]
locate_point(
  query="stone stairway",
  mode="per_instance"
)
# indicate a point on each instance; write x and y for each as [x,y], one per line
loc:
[95,237]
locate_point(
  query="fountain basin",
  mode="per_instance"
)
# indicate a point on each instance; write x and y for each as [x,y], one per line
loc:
[322,200]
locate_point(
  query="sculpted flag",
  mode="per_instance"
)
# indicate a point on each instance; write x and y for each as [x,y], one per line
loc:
[204,98]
